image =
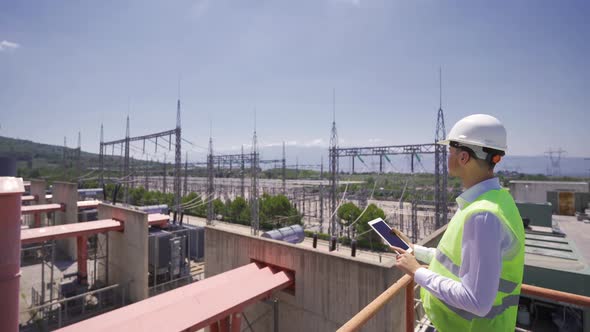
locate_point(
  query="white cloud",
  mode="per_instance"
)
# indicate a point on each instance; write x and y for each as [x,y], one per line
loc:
[6,45]
[350,2]
[316,142]
[199,8]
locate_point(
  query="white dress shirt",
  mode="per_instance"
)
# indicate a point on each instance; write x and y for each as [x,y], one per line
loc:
[486,241]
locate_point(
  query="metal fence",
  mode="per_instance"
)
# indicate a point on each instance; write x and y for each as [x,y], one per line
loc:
[59,313]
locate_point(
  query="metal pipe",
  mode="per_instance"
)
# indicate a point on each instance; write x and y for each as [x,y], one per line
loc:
[356,322]
[52,265]
[43,273]
[11,190]
[214,327]
[236,322]
[410,306]
[224,324]
[275,308]
[554,295]
[82,245]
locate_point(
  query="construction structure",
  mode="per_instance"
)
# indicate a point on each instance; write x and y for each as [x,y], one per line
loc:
[125,176]
[383,152]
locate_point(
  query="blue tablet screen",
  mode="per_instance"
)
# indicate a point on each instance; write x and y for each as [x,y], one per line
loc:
[391,238]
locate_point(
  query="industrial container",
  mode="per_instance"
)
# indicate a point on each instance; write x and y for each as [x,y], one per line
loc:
[159,251]
[196,245]
[292,234]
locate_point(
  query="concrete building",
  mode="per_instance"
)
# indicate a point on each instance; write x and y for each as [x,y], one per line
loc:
[536,191]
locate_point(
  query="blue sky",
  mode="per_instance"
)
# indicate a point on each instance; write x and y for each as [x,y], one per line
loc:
[70,65]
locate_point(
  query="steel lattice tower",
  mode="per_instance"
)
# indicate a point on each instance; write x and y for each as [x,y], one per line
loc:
[101,157]
[209,197]
[126,163]
[185,191]
[322,196]
[333,167]
[284,171]
[242,174]
[254,197]
[440,166]
[177,161]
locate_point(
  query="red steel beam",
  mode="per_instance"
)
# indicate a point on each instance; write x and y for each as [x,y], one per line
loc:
[44,208]
[34,235]
[193,306]
[82,258]
[41,208]
[28,198]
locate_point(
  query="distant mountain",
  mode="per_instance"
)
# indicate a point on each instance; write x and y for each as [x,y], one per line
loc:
[570,166]
[310,157]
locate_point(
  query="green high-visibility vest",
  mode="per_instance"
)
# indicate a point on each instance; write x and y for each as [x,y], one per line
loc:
[447,262]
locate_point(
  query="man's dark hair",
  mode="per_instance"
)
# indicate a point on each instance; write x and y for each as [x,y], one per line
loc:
[491,154]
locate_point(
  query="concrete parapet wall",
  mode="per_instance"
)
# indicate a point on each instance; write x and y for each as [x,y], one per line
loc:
[67,194]
[37,188]
[128,251]
[329,288]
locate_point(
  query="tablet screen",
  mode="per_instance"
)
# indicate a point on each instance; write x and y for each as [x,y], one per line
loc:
[391,238]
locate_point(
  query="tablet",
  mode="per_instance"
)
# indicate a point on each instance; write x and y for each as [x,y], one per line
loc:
[390,238]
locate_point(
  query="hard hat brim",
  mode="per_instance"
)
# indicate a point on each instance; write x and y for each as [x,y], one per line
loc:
[444,142]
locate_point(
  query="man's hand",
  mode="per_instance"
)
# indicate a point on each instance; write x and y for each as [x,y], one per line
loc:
[406,261]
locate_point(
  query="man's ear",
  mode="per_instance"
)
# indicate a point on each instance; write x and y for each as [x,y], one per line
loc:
[464,157]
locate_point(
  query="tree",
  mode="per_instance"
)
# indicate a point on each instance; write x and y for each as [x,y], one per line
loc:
[348,213]
[219,207]
[362,226]
[239,211]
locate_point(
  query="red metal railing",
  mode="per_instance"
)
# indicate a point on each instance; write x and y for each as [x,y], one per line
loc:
[406,282]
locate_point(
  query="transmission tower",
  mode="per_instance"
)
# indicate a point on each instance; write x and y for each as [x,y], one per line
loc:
[177,160]
[322,196]
[554,168]
[126,163]
[185,191]
[101,157]
[209,197]
[254,201]
[333,167]
[440,169]
[79,155]
[242,174]
[284,171]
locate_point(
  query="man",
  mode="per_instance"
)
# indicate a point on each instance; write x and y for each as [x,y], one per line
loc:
[475,274]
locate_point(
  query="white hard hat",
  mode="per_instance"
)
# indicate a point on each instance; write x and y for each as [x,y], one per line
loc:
[480,130]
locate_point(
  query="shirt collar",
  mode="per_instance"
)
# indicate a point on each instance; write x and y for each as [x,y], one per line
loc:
[471,194]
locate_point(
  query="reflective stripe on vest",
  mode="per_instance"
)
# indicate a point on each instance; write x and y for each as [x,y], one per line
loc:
[505,286]
[508,301]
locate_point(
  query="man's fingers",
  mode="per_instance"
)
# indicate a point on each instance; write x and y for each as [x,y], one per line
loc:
[398,249]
